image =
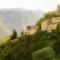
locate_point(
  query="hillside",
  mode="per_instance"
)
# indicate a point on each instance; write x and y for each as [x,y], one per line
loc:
[40,45]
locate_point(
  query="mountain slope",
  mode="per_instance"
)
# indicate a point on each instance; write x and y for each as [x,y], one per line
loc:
[18,19]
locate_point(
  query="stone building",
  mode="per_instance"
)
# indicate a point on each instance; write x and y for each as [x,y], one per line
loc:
[30,30]
[49,25]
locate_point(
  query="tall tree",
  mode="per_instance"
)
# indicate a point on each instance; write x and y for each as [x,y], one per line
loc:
[14,36]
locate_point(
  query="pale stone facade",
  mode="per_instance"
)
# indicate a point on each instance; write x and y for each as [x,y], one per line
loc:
[30,30]
[49,25]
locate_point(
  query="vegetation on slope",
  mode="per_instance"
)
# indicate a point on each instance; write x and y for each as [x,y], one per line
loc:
[45,44]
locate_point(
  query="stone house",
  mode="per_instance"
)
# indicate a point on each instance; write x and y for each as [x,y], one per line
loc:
[51,24]
[31,30]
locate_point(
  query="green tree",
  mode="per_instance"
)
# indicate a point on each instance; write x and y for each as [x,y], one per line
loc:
[38,23]
[14,36]
[46,53]
[22,32]
[47,16]
[57,39]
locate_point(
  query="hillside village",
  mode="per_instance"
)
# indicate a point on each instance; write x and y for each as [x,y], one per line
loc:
[36,43]
[49,22]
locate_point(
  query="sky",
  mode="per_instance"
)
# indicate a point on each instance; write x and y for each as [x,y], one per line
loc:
[42,5]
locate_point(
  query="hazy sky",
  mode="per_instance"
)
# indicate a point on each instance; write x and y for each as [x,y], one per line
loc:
[43,5]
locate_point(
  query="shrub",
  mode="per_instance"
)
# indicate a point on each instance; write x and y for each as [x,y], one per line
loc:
[46,53]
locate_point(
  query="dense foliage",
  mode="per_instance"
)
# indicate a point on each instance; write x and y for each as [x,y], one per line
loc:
[46,53]
[21,48]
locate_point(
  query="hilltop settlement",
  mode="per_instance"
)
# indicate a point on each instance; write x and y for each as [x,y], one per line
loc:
[47,23]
